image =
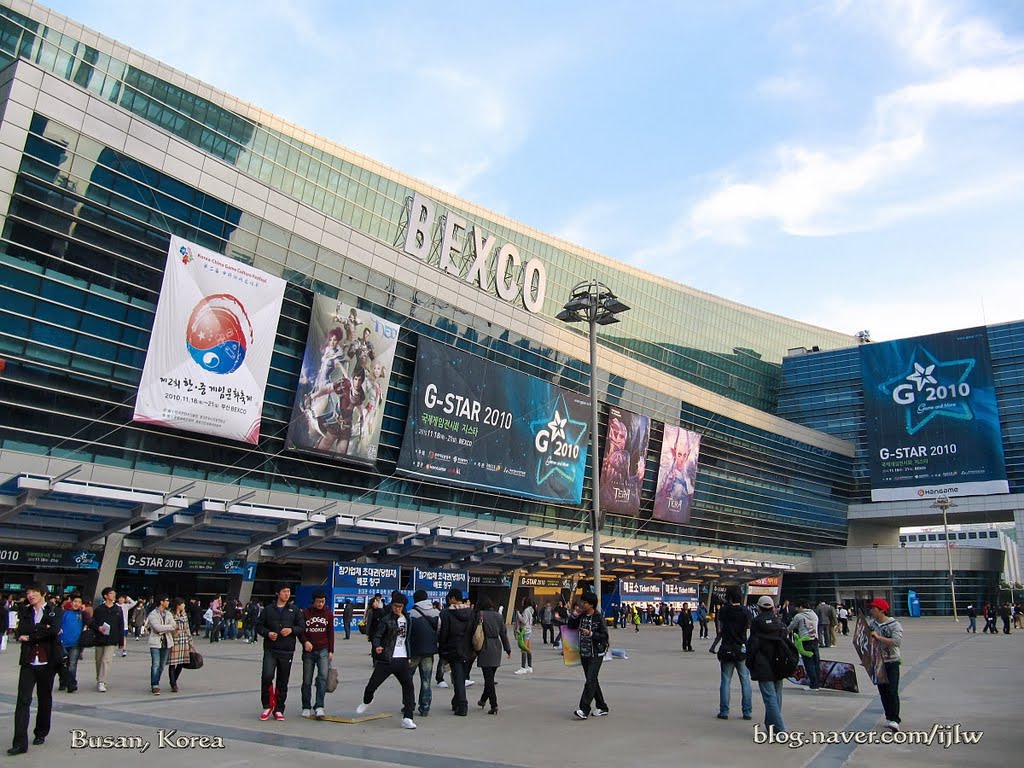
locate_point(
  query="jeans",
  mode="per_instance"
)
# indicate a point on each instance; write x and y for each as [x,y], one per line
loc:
[40,679]
[403,673]
[812,665]
[69,677]
[890,692]
[703,628]
[771,693]
[972,625]
[592,688]
[158,657]
[314,661]
[723,689]
[281,668]
[230,629]
[425,665]
[348,627]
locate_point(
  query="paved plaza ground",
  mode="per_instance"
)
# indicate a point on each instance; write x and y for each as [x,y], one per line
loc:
[663,706]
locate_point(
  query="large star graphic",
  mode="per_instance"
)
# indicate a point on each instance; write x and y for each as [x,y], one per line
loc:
[564,428]
[925,369]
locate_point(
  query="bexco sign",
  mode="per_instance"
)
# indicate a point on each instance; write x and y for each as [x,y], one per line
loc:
[512,278]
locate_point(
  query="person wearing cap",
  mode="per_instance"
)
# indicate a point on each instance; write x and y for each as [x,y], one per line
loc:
[317,653]
[593,646]
[765,631]
[888,633]
[390,643]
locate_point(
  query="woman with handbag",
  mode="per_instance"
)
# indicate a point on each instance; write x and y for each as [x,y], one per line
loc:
[495,641]
[181,647]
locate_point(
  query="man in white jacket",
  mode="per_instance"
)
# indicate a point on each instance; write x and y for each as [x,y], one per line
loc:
[161,628]
[125,603]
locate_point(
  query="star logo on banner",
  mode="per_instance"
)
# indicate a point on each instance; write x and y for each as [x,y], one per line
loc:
[929,388]
[562,436]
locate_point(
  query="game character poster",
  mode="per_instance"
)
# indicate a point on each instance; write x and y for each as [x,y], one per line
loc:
[625,461]
[869,651]
[677,475]
[209,353]
[343,386]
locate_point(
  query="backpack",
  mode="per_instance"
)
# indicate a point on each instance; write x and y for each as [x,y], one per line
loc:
[784,658]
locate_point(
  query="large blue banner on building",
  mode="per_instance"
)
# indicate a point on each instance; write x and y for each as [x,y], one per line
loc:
[478,423]
[932,420]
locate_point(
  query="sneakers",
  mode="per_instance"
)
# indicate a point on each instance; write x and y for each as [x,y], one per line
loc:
[720,716]
[306,713]
[156,691]
[443,684]
[279,716]
[361,709]
[101,687]
[598,712]
[470,682]
[124,653]
[892,725]
[522,671]
[579,714]
[408,723]
[265,714]
[319,713]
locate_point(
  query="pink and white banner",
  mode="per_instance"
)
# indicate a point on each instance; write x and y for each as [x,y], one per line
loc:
[213,337]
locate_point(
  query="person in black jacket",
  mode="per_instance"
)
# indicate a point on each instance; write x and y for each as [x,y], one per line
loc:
[38,632]
[424,621]
[685,622]
[454,643]
[108,621]
[279,626]
[765,632]
[390,643]
[593,646]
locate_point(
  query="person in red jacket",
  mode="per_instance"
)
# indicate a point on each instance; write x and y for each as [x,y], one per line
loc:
[317,653]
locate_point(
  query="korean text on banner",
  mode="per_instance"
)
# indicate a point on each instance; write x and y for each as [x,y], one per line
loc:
[213,336]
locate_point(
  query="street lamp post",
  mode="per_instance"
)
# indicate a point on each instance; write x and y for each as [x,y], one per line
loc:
[592,302]
[944,504]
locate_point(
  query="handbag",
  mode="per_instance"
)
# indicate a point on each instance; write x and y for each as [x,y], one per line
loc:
[478,636]
[332,680]
[195,660]
[88,638]
[730,652]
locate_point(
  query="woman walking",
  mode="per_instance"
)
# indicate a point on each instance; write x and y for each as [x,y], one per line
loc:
[182,643]
[524,629]
[495,641]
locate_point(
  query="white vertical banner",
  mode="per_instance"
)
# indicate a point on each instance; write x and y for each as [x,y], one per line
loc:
[213,336]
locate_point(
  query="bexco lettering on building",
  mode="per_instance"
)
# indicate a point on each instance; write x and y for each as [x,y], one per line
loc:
[455,234]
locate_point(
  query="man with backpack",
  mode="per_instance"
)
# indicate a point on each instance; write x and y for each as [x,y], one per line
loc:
[771,658]
[423,625]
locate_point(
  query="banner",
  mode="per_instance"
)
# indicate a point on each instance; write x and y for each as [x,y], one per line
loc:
[932,420]
[172,564]
[769,585]
[677,475]
[833,675]
[44,557]
[437,583]
[477,423]
[681,592]
[346,372]
[570,646]
[364,579]
[869,651]
[625,461]
[640,590]
[209,353]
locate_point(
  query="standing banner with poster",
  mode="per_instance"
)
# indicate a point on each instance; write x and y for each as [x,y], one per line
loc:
[477,423]
[677,475]
[346,372]
[932,420]
[625,460]
[209,353]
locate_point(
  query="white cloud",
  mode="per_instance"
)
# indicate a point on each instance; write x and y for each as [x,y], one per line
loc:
[788,87]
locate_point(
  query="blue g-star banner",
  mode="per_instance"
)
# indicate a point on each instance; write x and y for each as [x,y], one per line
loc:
[932,421]
[642,590]
[477,423]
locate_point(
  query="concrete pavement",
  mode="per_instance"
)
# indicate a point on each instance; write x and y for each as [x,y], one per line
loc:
[663,706]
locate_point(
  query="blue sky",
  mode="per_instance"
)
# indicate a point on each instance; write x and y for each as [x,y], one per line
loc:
[856,165]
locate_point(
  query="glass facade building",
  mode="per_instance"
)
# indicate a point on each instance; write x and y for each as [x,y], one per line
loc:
[107,154]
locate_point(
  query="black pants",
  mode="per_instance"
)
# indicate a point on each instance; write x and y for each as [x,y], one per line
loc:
[889,692]
[41,679]
[173,673]
[1006,625]
[490,693]
[687,638]
[846,626]
[281,668]
[460,671]
[403,674]
[703,628]
[592,688]
[545,630]
[215,632]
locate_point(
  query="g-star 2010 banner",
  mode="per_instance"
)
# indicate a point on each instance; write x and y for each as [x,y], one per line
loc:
[209,353]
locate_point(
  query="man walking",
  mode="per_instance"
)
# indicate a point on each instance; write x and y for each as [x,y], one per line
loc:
[733,622]
[888,633]
[390,645]
[685,622]
[972,618]
[826,614]
[454,645]
[593,646]
[108,621]
[767,633]
[317,653]
[38,632]
[72,622]
[424,620]
[547,618]
[161,637]
[805,625]
[280,626]
[346,616]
